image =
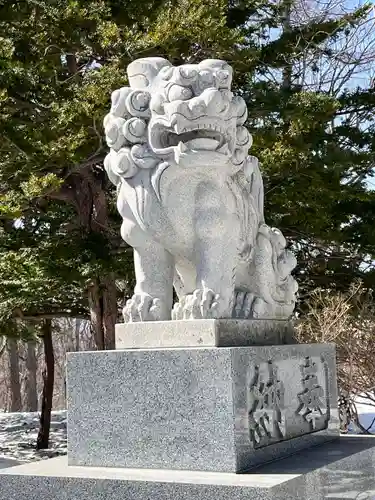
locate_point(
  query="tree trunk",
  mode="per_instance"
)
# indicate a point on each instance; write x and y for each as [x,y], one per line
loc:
[14,371]
[77,332]
[71,62]
[106,284]
[89,199]
[109,310]
[48,383]
[96,314]
[31,383]
[103,311]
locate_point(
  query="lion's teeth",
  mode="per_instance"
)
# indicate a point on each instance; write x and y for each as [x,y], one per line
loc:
[182,147]
[224,149]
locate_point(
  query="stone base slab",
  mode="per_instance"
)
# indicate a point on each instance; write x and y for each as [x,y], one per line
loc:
[206,409]
[203,333]
[340,470]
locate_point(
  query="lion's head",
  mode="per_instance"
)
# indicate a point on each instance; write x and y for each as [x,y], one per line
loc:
[184,115]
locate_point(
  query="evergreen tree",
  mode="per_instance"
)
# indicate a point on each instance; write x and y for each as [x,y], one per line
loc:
[59,62]
[316,144]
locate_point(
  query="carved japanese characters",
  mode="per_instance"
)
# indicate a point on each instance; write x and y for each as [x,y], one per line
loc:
[266,405]
[313,399]
[278,410]
[191,198]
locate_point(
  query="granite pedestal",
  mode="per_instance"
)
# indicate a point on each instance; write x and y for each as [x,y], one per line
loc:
[343,469]
[223,409]
[192,423]
[204,333]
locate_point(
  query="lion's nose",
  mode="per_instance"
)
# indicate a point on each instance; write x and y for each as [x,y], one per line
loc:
[214,101]
[211,102]
[197,107]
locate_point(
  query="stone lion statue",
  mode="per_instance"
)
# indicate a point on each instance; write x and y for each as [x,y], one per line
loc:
[191,198]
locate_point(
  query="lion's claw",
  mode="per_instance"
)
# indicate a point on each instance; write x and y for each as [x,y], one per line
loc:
[201,304]
[143,307]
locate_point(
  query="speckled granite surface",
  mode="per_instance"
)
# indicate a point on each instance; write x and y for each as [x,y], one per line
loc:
[203,333]
[343,469]
[213,409]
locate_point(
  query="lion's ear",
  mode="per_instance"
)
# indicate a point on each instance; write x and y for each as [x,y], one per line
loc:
[142,72]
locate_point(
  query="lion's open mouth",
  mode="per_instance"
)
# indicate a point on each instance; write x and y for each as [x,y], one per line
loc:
[194,137]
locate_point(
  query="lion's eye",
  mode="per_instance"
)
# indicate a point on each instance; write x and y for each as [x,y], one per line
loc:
[179,93]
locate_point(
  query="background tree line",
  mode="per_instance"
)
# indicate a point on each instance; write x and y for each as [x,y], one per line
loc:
[304,68]
[21,366]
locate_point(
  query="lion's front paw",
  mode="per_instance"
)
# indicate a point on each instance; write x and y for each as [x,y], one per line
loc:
[143,307]
[243,304]
[198,305]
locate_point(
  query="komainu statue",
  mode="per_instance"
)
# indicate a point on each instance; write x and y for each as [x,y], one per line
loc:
[191,198]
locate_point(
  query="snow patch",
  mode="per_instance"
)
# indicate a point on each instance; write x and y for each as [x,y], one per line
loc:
[366,413]
[19,431]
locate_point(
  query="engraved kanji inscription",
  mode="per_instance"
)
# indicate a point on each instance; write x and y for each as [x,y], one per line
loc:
[266,404]
[313,399]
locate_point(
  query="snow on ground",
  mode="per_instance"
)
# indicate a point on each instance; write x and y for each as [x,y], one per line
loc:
[366,413]
[18,433]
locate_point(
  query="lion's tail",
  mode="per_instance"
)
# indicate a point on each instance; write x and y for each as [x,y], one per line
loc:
[255,186]
[248,190]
